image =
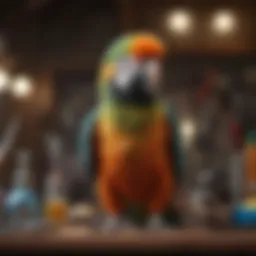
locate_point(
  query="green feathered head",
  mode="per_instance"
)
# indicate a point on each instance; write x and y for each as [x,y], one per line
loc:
[131,63]
[129,79]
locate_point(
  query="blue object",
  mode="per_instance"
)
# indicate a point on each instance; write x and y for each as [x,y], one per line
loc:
[175,147]
[19,200]
[244,216]
[86,144]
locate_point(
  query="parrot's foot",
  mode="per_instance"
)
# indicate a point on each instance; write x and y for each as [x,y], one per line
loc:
[115,223]
[156,222]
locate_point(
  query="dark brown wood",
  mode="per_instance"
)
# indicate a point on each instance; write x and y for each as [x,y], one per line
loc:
[173,240]
[59,34]
[128,14]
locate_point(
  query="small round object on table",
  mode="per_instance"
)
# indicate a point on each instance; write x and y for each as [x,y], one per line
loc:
[56,210]
[244,215]
[21,206]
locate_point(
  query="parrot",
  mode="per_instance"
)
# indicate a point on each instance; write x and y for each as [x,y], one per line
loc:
[129,145]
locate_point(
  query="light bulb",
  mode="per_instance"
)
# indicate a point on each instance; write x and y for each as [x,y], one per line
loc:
[22,87]
[187,131]
[224,22]
[179,21]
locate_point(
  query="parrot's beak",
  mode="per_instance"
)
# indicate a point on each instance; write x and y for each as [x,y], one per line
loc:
[137,74]
[135,90]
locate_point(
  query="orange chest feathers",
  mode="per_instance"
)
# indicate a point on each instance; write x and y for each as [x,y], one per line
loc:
[124,154]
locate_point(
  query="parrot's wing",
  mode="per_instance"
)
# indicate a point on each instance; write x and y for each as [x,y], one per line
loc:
[175,144]
[176,153]
[87,145]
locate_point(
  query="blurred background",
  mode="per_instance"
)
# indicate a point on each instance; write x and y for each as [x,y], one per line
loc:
[52,48]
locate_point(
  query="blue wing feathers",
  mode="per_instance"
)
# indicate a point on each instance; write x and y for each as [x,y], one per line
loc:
[86,143]
[176,145]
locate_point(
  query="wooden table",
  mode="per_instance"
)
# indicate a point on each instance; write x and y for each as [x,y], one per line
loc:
[72,238]
[79,235]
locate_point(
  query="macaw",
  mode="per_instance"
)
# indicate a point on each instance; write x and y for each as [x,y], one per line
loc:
[129,145]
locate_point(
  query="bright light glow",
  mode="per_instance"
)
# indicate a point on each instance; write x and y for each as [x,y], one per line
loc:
[22,87]
[4,80]
[224,22]
[187,131]
[180,22]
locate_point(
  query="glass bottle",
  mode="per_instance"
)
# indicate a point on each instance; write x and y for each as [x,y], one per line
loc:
[21,205]
[236,168]
[6,144]
[56,205]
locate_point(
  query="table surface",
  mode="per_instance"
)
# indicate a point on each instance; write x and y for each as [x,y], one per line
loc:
[81,237]
[81,234]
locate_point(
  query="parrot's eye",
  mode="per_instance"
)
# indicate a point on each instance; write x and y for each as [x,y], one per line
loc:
[126,68]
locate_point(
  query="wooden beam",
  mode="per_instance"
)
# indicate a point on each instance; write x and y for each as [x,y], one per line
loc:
[128,15]
[36,4]
[21,13]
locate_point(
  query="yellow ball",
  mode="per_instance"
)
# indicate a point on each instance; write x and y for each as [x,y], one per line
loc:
[56,210]
[250,203]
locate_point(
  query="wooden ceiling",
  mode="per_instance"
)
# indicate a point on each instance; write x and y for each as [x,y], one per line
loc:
[152,15]
[58,33]
[62,34]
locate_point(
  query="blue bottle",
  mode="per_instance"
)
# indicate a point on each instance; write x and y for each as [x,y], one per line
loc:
[21,205]
[244,215]
[244,212]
